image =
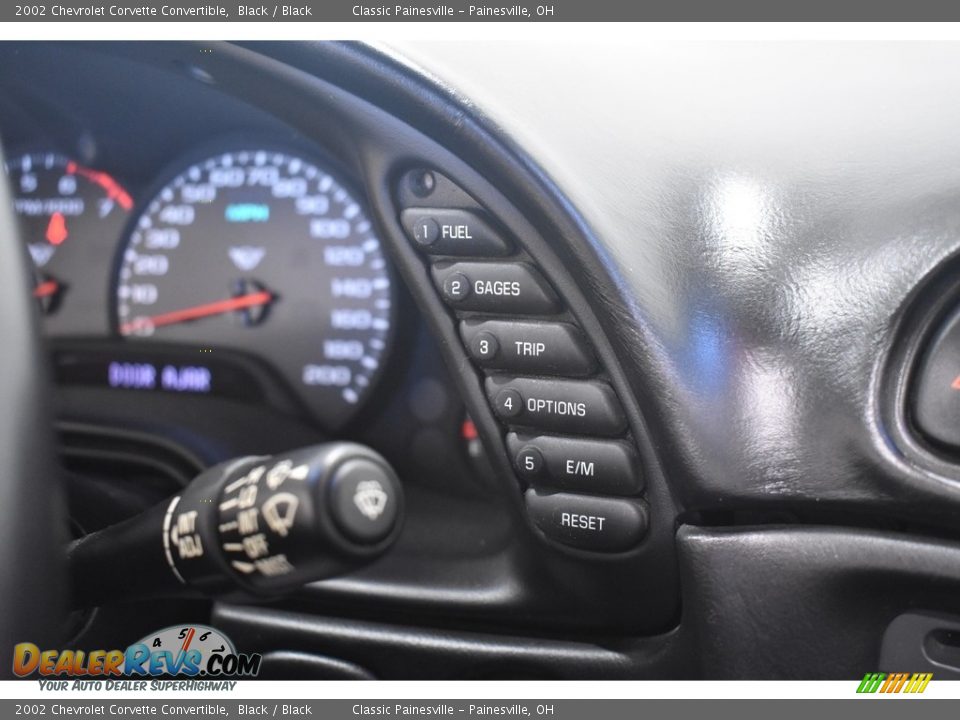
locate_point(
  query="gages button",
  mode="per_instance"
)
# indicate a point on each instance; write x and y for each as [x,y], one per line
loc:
[503,288]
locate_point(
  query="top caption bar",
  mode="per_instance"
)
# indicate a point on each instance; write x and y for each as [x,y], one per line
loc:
[310,11]
[546,11]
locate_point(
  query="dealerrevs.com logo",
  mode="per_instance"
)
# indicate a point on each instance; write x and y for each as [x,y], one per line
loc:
[193,651]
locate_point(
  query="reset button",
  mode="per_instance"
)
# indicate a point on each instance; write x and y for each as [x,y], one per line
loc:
[588,522]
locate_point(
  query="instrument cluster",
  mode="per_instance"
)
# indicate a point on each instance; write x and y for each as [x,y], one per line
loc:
[246,253]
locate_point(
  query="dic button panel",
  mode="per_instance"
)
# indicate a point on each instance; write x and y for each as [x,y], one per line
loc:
[569,439]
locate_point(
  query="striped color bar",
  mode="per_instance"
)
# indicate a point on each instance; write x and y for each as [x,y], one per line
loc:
[895,682]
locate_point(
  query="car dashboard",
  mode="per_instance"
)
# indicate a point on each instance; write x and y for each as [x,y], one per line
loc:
[665,373]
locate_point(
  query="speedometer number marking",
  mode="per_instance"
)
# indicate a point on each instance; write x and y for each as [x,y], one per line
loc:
[265,253]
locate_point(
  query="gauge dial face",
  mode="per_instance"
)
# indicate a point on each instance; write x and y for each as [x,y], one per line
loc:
[65,210]
[202,640]
[266,253]
[190,637]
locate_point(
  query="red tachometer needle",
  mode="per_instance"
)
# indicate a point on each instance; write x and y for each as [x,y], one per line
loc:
[198,311]
[46,289]
[109,185]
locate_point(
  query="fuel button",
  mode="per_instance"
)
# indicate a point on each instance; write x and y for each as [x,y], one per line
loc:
[449,231]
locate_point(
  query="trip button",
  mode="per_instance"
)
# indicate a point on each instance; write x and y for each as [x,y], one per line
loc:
[567,406]
[452,232]
[607,467]
[507,288]
[539,348]
[586,522]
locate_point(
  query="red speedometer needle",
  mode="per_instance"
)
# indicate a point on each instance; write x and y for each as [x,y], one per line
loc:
[198,311]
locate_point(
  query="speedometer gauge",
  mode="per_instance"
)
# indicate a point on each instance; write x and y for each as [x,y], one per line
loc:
[265,253]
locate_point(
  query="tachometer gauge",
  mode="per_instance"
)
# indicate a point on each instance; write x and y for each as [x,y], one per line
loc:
[65,210]
[266,253]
